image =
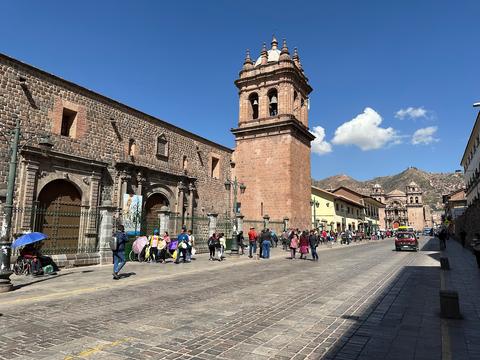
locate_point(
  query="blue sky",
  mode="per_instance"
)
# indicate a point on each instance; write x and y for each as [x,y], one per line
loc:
[366,60]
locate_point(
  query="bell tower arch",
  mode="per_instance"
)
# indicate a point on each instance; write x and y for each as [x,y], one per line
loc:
[272,153]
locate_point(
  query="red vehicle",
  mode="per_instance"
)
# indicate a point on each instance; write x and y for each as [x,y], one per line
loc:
[406,240]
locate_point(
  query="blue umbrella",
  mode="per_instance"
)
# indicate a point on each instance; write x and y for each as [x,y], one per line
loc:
[29,238]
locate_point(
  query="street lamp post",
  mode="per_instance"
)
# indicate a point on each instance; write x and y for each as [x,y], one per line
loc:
[236,185]
[5,241]
[315,204]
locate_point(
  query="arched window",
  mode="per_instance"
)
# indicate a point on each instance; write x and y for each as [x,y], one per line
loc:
[411,199]
[132,148]
[273,102]
[416,199]
[253,100]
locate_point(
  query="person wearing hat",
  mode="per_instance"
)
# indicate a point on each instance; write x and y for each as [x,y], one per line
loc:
[154,240]
[252,241]
[182,245]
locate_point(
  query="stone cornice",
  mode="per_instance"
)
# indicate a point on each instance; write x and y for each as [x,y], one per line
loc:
[258,76]
[29,152]
[289,125]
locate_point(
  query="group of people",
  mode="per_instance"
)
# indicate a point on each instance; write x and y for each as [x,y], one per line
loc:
[216,246]
[293,240]
[265,240]
[161,247]
[182,248]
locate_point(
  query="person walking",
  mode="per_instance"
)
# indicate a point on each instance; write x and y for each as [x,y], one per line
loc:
[211,246]
[241,245]
[285,240]
[293,246]
[463,237]
[274,238]
[303,245]
[476,248]
[266,239]
[252,242]
[442,236]
[313,241]
[119,253]
[154,239]
[182,246]
[191,245]
[223,243]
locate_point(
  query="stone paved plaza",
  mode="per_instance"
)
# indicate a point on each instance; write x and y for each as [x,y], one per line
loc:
[358,302]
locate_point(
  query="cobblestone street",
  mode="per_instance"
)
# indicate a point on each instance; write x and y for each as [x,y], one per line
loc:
[357,302]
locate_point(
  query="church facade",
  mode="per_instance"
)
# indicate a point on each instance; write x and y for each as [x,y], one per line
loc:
[402,208]
[81,151]
[100,152]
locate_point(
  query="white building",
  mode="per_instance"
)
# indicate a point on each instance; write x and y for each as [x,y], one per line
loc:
[471,164]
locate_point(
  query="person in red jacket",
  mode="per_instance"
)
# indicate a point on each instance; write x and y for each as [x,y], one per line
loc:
[304,245]
[252,241]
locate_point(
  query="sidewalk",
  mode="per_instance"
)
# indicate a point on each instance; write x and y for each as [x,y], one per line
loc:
[464,277]
[89,279]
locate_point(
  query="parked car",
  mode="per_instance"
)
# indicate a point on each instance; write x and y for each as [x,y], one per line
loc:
[406,240]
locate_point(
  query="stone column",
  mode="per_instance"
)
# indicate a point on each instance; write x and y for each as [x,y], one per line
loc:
[105,232]
[82,230]
[164,219]
[285,223]
[266,220]
[140,181]
[31,170]
[212,223]
[124,178]
[191,203]
[90,232]
[181,197]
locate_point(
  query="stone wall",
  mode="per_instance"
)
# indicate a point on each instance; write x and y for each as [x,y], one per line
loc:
[281,180]
[101,132]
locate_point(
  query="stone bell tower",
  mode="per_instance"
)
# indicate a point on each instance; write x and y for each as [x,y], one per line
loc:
[272,153]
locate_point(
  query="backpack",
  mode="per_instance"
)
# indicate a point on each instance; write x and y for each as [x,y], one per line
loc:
[114,243]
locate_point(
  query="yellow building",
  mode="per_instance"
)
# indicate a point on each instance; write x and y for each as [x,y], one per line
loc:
[344,209]
[322,204]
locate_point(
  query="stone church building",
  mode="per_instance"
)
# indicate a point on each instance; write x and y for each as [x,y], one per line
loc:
[402,208]
[97,150]
[81,151]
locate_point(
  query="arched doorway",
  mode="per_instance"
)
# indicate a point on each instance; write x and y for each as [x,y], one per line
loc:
[153,204]
[58,215]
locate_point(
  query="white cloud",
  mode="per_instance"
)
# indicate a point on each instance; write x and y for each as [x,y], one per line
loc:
[425,136]
[365,132]
[412,113]
[319,145]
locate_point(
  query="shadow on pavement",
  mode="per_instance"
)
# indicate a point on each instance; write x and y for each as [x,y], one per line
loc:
[39,280]
[432,245]
[401,313]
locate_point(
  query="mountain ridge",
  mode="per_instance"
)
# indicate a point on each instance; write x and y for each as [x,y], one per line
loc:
[433,185]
